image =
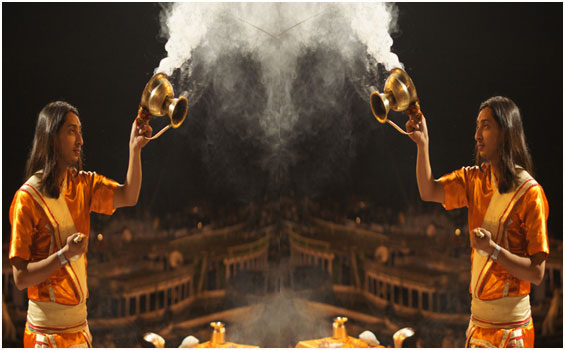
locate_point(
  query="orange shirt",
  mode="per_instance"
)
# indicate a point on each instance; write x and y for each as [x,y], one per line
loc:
[31,238]
[527,232]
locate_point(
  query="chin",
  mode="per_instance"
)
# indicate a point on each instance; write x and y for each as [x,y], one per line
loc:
[484,155]
[75,163]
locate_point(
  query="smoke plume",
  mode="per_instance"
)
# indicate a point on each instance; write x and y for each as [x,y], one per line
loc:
[275,83]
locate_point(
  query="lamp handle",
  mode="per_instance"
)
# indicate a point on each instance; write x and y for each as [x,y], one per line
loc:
[413,112]
[143,117]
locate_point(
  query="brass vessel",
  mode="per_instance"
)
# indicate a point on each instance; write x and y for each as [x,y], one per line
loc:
[339,339]
[218,335]
[339,328]
[158,99]
[218,339]
[399,95]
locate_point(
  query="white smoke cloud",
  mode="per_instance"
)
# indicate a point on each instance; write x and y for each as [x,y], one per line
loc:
[274,69]
[372,24]
[187,25]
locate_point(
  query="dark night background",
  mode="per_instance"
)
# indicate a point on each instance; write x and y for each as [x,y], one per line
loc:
[98,57]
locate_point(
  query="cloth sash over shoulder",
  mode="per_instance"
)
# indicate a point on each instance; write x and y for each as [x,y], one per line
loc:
[45,317]
[505,312]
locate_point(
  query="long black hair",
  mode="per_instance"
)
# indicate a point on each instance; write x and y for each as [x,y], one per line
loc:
[43,155]
[514,150]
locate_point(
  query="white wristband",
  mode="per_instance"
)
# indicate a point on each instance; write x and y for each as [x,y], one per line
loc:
[62,258]
[494,255]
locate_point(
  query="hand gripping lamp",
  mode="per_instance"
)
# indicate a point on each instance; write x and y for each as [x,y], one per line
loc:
[399,95]
[158,99]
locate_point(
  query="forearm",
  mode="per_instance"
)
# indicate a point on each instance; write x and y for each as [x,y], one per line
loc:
[430,189]
[133,177]
[27,274]
[128,193]
[524,268]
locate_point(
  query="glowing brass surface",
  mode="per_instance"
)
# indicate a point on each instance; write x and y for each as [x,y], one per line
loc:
[339,328]
[218,339]
[157,99]
[340,339]
[399,95]
[219,334]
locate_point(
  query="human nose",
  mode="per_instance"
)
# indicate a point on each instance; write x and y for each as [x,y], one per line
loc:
[79,139]
[478,135]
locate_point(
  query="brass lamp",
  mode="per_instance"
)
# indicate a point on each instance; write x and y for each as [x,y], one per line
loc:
[218,339]
[399,95]
[339,339]
[158,99]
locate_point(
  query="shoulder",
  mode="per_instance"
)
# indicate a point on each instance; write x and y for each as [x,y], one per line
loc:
[94,180]
[23,194]
[533,202]
[29,191]
[84,179]
[87,176]
[535,192]
[83,174]
[532,188]
[467,172]
[473,170]
[23,201]
[477,172]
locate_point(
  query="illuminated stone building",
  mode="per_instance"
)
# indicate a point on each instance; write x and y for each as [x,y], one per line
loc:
[286,268]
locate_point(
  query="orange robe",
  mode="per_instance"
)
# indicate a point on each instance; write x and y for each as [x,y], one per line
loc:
[31,240]
[526,234]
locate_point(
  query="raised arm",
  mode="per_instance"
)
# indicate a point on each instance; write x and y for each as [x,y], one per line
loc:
[431,190]
[127,194]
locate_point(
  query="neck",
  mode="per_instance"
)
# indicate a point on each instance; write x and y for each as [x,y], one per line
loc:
[61,173]
[496,171]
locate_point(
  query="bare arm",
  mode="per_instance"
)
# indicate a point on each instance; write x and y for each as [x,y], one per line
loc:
[431,190]
[127,194]
[28,274]
[525,268]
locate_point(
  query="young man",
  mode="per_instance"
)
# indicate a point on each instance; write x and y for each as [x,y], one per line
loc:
[507,214]
[50,218]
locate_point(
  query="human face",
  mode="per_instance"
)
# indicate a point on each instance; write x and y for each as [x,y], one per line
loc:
[488,136]
[69,141]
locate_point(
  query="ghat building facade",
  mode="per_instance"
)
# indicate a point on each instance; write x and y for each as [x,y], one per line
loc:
[278,273]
